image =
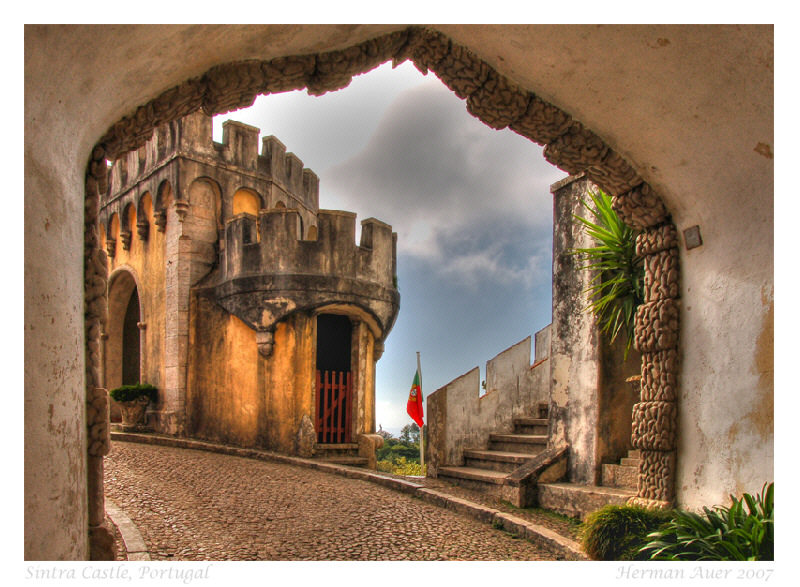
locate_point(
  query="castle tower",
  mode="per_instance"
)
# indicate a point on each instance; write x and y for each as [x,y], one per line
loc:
[256,314]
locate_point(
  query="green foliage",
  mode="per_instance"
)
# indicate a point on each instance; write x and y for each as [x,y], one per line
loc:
[410,434]
[400,456]
[736,532]
[618,288]
[401,466]
[617,532]
[129,393]
[407,446]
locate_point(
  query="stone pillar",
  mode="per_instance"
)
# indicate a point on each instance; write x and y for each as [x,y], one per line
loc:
[575,360]
[101,540]
[176,308]
[363,366]
[655,417]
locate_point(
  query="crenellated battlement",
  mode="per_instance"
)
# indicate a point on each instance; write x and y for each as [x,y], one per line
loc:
[268,270]
[276,175]
[272,243]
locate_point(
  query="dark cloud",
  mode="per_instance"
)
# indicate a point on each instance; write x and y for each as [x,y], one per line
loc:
[457,192]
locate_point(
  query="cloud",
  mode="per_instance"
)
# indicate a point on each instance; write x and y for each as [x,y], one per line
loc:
[470,200]
[327,129]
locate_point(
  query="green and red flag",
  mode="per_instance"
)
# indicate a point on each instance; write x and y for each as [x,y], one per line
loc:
[414,406]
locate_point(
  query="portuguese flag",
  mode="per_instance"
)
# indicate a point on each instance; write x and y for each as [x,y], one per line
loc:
[414,406]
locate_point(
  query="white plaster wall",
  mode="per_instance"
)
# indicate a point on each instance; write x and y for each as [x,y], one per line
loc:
[687,106]
[56,516]
[726,442]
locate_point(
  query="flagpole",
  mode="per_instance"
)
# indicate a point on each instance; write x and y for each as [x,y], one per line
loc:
[421,428]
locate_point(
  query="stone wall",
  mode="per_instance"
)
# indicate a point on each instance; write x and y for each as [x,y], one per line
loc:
[460,417]
[268,271]
[590,402]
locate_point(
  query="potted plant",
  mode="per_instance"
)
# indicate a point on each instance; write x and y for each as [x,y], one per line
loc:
[133,400]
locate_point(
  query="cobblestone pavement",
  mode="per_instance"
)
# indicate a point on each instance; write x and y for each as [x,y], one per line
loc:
[196,505]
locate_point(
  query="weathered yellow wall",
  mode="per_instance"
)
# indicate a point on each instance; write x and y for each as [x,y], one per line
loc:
[237,396]
[145,259]
[364,380]
[224,385]
[290,380]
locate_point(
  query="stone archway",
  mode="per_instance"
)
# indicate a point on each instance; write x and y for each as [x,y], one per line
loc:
[122,350]
[500,103]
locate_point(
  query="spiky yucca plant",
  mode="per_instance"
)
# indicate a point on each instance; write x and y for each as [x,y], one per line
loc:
[719,534]
[618,288]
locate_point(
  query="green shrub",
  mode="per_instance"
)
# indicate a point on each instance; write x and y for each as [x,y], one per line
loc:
[129,393]
[721,533]
[618,532]
[385,466]
[401,467]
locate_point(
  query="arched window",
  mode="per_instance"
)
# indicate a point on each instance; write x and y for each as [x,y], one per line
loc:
[246,201]
[131,342]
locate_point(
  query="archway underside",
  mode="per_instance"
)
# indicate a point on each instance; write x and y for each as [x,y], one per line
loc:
[499,103]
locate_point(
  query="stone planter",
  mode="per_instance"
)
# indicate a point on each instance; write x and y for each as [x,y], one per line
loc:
[133,413]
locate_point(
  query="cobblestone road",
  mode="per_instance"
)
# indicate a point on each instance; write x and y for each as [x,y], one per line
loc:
[196,505]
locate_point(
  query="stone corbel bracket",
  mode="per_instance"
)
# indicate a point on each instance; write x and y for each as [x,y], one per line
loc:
[261,301]
[265,341]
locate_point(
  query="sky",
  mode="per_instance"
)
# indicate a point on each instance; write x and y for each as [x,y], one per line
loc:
[471,207]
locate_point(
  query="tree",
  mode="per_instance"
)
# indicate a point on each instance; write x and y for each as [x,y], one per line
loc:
[410,434]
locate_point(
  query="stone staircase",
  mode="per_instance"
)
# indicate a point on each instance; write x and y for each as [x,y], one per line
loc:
[625,474]
[490,470]
[340,454]
[618,485]
[486,470]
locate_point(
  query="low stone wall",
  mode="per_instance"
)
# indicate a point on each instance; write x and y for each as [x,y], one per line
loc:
[460,417]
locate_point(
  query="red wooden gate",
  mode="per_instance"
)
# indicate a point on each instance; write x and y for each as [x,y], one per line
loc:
[334,393]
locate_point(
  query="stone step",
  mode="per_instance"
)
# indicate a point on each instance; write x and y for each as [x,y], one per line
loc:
[531,444]
[483,480]
[333,450]
[634,453]
[353,461]
[340,454]
[474,474]
[495,460]
[537,426]
[620,476]
[629,462]
[578,501]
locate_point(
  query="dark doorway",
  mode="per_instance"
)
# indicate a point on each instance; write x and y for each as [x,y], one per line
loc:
[130,341]
[334,379]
